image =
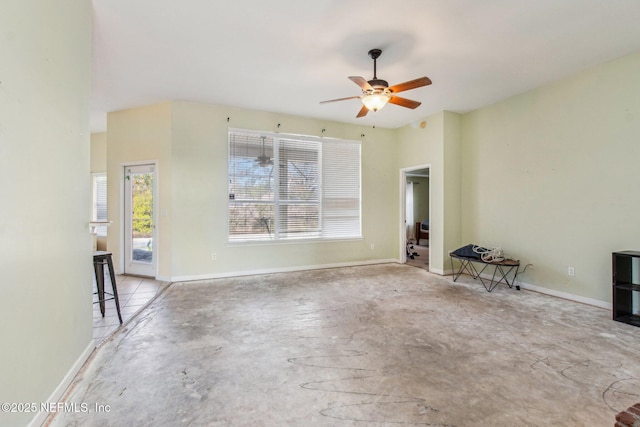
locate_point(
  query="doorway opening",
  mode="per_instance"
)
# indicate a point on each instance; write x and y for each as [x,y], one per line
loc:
[416,213]
[139,220]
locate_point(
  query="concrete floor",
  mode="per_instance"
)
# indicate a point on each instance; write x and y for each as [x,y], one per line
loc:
[383,345]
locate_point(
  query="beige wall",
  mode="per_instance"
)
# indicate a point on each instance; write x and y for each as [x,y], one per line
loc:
[140,135]
[552,177]
[45,250]
[99,152]
[190,142]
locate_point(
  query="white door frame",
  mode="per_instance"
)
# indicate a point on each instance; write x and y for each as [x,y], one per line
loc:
[403,209]
[123,216]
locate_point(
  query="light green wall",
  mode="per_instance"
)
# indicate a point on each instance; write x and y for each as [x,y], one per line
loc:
[190,142]
[436,145]
[420,197]
[45,250]
[552,177]
[547,175]
[452,191]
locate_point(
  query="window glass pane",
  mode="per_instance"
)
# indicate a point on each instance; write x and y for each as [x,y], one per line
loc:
[251,221]
[142,216]
[251,168]
[298,171]
[292,187]
[99,211]
[299,221]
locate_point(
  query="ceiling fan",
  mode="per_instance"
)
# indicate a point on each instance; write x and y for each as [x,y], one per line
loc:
[376,92]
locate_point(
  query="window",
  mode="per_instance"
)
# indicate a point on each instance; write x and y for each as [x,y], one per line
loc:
[99,210]
[285,187]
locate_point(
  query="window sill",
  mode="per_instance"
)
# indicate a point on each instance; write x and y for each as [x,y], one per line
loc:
[291,242]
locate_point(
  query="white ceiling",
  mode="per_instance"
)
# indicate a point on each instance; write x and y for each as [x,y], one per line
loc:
[286,56]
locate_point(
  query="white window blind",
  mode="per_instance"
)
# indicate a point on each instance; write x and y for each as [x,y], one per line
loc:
[284,187]
[341,189]
[99,211]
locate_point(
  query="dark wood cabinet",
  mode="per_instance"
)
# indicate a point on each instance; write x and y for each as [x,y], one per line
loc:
[626,287]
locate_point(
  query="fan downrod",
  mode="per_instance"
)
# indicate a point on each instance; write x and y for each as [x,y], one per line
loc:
[376,82]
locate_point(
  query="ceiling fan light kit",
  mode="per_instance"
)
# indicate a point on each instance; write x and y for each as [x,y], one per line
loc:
[376,92]
[376,101]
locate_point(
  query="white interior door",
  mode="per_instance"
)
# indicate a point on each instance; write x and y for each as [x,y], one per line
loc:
[139,220]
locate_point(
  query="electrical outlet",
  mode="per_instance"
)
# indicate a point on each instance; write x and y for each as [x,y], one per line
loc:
[214,256]
[373,246]
[571,271]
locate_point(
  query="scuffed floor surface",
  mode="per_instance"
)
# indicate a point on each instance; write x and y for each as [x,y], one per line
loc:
[383,345]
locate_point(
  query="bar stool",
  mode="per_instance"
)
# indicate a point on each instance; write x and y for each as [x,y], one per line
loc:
[100,258]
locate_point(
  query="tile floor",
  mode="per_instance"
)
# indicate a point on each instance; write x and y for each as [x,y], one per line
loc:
[134,294]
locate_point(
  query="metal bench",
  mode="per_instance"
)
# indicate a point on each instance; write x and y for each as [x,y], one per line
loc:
[501,271]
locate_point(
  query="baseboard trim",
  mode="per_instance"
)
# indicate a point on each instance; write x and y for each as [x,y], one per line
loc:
[61,389]
[566,295]
[439,271]
[558,294]
[277,270]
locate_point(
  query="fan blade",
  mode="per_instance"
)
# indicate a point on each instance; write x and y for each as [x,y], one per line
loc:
[412,84]
[404,102]
[360,81]
[340,99]
[363,112]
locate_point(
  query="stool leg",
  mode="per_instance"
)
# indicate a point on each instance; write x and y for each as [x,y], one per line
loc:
[114,287]
[99,270]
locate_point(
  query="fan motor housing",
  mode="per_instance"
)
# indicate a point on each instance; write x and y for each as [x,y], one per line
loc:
[375,53]
[378,83]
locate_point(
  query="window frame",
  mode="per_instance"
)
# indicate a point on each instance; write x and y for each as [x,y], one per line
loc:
[100,230]
[277,202]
